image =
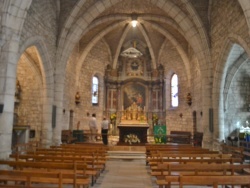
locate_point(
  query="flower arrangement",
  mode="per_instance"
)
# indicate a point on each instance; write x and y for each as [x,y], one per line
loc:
[155,117]
[131,139]
[112,117]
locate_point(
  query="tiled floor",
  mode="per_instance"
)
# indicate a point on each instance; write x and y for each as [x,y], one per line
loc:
[122,173]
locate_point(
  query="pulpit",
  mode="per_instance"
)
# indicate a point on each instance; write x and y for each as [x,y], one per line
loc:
[132,128]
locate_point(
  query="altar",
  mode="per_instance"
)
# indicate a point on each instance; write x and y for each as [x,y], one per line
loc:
[135,128]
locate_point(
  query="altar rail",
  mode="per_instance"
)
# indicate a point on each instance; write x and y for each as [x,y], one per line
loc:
[176,138]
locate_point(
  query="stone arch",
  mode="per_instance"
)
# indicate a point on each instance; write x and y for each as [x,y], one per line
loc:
[186,25]
[48,82]
[159,29]
[219,82]
[30,79]
[196,38]
[15,11]
[146,37]
[245,5]
[230,75]
[13,16]
[119,46]
[179,48]
[91,44]
[168,77]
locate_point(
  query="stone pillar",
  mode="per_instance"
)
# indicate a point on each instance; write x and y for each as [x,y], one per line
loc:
[149,115]
[59,90]
[7,91]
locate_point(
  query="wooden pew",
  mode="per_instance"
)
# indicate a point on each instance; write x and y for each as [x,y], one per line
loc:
[177,150]
[196,161]
[94,160]
[181,151]
[198,169]
[70,168]
[23,148]
[62,152]
[31,179]
[246,148]
[235,151]
[95,166]
[215,181]
[205,180]
[161,157]
[150,147]
[91,157]
[80,145]
[183,137]
[187,149]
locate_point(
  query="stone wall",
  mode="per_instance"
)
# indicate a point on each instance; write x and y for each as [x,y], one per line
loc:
[233,28]
[173,63]
[94,65]
[41,21]
[40,30]
[70,88]
[29,109]
[238,100]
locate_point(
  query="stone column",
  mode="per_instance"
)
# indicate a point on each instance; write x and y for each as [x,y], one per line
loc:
[8,64]
[59,90]
[149,114]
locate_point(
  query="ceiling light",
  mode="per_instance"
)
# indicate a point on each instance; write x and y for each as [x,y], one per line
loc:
[131,53]
[134,23]
[134,20]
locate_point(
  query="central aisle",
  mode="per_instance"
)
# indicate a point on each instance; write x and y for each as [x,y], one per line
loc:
[128,173]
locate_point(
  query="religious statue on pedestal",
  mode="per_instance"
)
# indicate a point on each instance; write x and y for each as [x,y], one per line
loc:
[134,110]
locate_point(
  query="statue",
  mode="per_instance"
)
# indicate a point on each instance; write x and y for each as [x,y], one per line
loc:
[18,90]
[134,108]
[77,98]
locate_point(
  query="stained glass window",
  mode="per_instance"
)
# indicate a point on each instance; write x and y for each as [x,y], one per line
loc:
[95,90]
[174,91]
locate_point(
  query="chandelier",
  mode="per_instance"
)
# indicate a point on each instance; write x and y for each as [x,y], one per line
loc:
[131,52]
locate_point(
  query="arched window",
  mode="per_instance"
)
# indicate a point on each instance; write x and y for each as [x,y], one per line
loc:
[174,91]
[95,83]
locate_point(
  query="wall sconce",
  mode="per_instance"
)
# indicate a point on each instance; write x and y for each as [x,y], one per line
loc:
[189,99]
[77,98]
[1,108]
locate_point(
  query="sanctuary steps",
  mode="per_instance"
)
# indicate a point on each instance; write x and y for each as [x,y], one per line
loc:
[126,152]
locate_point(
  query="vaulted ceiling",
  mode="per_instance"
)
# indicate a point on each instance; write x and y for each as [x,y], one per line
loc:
[155,28]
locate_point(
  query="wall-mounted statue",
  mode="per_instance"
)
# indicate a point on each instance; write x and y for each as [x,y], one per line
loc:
[18,90]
